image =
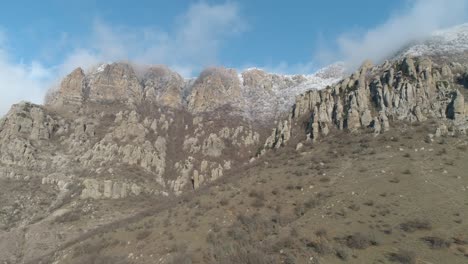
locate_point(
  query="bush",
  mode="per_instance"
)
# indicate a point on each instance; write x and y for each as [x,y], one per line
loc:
[321,247]
[142,235]
[359,241]
[257,194]
[436,242]
[224,202]
[416,224]
[68,217]
[342,254]
[239,253]
[322,232]
[403,257]
[258,203]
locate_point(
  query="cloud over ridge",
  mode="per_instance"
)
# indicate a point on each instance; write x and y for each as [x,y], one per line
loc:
[415,22]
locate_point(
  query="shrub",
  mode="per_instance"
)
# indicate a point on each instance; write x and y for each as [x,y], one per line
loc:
[321,247]
[359,241]
[257,194]
[407,172]
[258,203]
[142,235]
[436,242]
[322,232]
[394,180]
[403,257]
[416,224]
[341,253]
[224,202]
[67,217]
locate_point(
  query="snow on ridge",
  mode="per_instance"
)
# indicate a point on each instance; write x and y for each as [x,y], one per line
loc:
[450,40]
[270,102]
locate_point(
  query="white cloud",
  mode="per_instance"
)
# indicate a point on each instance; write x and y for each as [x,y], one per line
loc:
[417,21]
[20,82]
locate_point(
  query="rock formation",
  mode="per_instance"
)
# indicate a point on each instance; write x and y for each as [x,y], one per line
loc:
[406,90]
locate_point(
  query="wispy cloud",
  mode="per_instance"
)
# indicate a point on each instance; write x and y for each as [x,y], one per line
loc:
[194,43]
[418,20]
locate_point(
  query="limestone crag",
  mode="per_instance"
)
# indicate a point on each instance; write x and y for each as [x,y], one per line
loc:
[406,90]
[253,93]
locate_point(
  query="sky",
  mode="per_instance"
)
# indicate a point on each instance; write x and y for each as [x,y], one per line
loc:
[42,41]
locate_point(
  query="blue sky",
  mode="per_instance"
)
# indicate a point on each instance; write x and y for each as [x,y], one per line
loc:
[45,41]
[274,32]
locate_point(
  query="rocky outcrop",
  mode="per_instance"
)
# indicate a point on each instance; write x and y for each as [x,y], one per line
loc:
[214,88]
[71,90]
[114,82]
[109,189]
[456,109]
[163,86]
[407,90]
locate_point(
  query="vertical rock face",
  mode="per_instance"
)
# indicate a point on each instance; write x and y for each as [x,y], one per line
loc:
[114,82]
[161,85]
[70,90]
[215,87]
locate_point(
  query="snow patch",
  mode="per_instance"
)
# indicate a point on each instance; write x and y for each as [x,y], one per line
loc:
[451,40]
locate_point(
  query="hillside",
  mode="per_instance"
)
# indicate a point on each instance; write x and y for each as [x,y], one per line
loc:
[132,164]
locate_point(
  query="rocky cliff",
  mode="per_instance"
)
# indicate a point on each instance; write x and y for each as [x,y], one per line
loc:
[408,89]
[114,134]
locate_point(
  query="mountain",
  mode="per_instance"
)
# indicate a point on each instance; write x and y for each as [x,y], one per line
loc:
[451,42]
[124,153]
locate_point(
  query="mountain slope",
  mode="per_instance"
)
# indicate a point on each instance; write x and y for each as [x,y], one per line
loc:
[121,145]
